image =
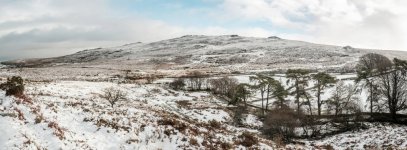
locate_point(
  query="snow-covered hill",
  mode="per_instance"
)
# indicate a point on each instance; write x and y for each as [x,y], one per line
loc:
[218,53]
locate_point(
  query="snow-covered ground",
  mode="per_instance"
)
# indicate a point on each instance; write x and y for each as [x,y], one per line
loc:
[378,136]
[64,110]
[71,115]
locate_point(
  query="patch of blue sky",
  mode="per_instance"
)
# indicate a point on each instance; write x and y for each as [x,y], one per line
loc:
[183,12]
[192,13]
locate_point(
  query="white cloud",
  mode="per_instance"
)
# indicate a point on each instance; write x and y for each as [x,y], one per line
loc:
[278,12]
[367,23]
[43,28]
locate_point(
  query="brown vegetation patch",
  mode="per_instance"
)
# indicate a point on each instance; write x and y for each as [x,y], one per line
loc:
[111,124]
[184,104]
[58,131]
[176,124]
[247,139]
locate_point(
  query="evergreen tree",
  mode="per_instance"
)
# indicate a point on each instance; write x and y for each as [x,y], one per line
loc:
[322,81]
[299,78]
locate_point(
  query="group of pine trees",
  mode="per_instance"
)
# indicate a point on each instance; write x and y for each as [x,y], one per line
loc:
[384,80]
[299,79]
[299,101]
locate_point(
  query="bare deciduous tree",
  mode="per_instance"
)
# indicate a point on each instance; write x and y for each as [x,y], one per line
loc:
[386,79]
[113,95]
[196,80]
[223,86]
[393,88]
[369,65]
[343,100]
[374,62]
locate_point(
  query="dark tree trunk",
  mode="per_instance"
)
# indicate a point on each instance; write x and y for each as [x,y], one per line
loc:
[371,100]
[268,95]
[262,101]
[319,103]
[297,97]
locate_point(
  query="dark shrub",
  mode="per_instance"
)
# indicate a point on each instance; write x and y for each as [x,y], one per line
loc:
[183,103]
[14,86]
[238,115]
[176,124]
[215,124]
[281,122]
[226,146]
[177,84]
[193,141]
[247,139]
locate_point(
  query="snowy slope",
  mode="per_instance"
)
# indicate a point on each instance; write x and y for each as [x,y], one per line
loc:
[230,52]
[71,115]
[378,136]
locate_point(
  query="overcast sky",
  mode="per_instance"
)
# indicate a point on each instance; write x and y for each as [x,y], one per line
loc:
[44,28]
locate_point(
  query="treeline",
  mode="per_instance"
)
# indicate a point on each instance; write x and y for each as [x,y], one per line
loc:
[384,79]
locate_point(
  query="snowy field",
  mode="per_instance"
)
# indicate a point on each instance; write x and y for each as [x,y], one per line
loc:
[378,136]
[72,115]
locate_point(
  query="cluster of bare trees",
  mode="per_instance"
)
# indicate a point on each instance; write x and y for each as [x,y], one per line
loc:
[230,88]
[196,80]
[343,100]
[225,86]
[193,81]
[386,83]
